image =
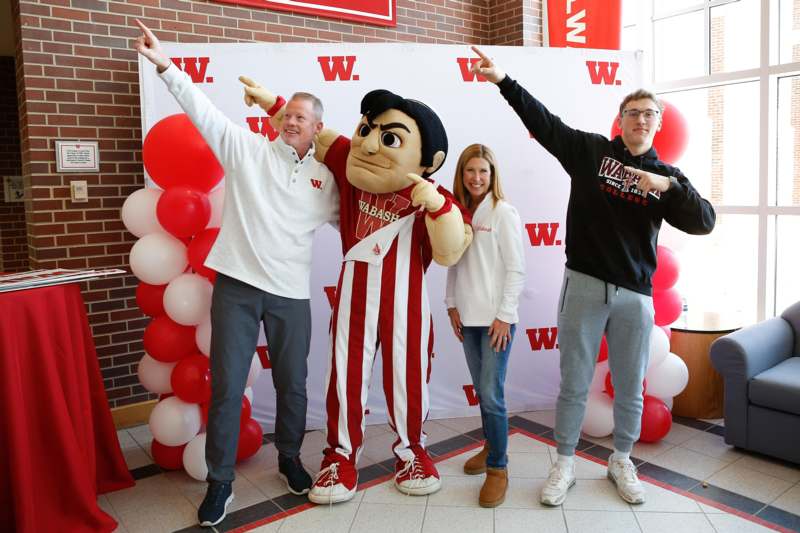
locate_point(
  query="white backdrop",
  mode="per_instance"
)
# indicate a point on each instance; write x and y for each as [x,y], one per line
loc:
[566,80]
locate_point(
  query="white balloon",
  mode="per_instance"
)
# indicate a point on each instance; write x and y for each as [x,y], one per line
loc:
[668,402]
[599,419]
[139,212]
[187,299]
[174,422]
[255,370]
[202,336]
[217,200]
[667,379]
[249,393]
[659,346]
[157,258]
[155,375]
[599,379]
[194,457]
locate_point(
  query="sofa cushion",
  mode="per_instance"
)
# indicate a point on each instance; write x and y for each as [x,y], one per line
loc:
[779,387]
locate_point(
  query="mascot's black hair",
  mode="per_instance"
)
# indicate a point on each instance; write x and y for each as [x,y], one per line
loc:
[430,126]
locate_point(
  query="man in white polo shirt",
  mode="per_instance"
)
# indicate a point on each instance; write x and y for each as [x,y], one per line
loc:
[276,196]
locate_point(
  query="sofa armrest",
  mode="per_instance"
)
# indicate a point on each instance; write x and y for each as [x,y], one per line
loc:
[741,355]
[746,353]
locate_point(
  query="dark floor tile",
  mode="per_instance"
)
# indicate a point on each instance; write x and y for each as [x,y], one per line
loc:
[239,518]
[146,471]
[780,517]
[600,452]
[476,434]
[449,445]
[371,472]
[726,497]
[290,501]
[717,430]
[691,422]
[528,425]
[667,476]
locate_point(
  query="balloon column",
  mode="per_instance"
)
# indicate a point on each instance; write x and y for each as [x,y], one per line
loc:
[667,374]
[177,226]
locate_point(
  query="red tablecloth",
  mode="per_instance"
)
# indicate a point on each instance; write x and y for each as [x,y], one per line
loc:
[58,445]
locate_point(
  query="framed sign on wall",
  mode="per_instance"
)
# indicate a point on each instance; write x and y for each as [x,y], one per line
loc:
[379,12]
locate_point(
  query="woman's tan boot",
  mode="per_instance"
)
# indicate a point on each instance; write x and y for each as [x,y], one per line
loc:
[477,463]
[493,492]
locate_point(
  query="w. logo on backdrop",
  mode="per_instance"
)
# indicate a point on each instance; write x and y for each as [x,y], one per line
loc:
[195,67]
[543,338]
[603,72]
[469,392]
[338,68]
[465,64]
[543,233]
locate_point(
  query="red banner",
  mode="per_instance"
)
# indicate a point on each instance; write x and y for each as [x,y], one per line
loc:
[379,12]
[584,23]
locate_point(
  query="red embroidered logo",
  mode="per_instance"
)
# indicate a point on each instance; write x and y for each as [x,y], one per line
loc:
[376,250]
[317,184]
[195,67]
[338,68]
[379,210]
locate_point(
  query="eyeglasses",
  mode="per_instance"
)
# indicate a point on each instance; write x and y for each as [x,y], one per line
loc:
[649,114]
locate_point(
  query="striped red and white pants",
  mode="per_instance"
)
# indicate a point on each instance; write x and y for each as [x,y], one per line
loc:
[384,306]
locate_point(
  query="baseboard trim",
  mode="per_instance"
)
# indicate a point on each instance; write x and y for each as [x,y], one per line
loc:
[134,414]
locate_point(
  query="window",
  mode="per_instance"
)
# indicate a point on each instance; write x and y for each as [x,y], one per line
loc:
[738,88]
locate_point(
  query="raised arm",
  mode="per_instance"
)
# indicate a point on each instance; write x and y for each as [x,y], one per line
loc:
[226,139]
[560,140]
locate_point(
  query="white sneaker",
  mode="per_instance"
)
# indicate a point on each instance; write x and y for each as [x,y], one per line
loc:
[559,481]
[623,473]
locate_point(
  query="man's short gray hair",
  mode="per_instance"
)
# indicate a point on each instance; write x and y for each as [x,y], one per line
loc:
[316,103]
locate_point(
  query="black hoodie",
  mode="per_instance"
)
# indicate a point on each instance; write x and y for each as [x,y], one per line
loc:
[612,229]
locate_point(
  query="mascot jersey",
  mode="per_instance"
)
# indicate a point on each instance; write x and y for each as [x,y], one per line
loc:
[381,300]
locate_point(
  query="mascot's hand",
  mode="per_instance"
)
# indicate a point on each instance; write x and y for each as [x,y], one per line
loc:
[425,194]
[256,94]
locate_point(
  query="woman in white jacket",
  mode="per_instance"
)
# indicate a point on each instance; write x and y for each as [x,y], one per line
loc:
[482,297]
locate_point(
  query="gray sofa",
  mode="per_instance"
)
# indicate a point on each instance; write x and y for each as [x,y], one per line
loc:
[761,368]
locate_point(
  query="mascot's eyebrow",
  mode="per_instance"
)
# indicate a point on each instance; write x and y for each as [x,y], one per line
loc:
[391,125]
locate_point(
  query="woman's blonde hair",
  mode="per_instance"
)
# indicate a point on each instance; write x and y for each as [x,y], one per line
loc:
[483,152]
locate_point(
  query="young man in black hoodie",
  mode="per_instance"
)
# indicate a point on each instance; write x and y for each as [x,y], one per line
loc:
[619,194]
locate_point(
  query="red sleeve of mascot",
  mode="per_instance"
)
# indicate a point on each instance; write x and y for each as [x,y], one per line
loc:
[336,159]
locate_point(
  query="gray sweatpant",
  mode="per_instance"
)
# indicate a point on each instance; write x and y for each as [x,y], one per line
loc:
[236,312]
[589,307]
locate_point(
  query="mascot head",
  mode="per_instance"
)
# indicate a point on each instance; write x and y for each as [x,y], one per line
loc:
[396,136]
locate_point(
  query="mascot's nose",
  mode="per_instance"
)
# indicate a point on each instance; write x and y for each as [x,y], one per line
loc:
[371,142]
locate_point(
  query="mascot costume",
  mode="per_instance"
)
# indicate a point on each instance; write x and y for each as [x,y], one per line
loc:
[393,222]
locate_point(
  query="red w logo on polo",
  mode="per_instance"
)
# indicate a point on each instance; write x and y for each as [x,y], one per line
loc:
[317,184]
[263,356]
[603,72]
[262,126]
[543,233]
[465,63]
[469,392]
[543,338]
[195,67]
[338,68]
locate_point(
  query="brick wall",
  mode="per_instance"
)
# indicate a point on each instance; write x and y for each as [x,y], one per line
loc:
[79,81]
[13,243]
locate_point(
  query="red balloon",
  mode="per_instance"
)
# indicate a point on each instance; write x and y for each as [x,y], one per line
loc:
[667,269]
[150,298]
[167,457]
[656,420]
[191,379]
[602,355]
[198,251]
[671,141]
[250,440]
[167,341]
[610,387]
[247,411]
[183,211]
[668,306]
[175,154]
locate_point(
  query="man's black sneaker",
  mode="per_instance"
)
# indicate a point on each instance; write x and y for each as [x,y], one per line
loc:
[292,472]
[218,496]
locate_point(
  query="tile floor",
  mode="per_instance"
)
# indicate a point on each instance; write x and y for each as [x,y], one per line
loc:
[744,492]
